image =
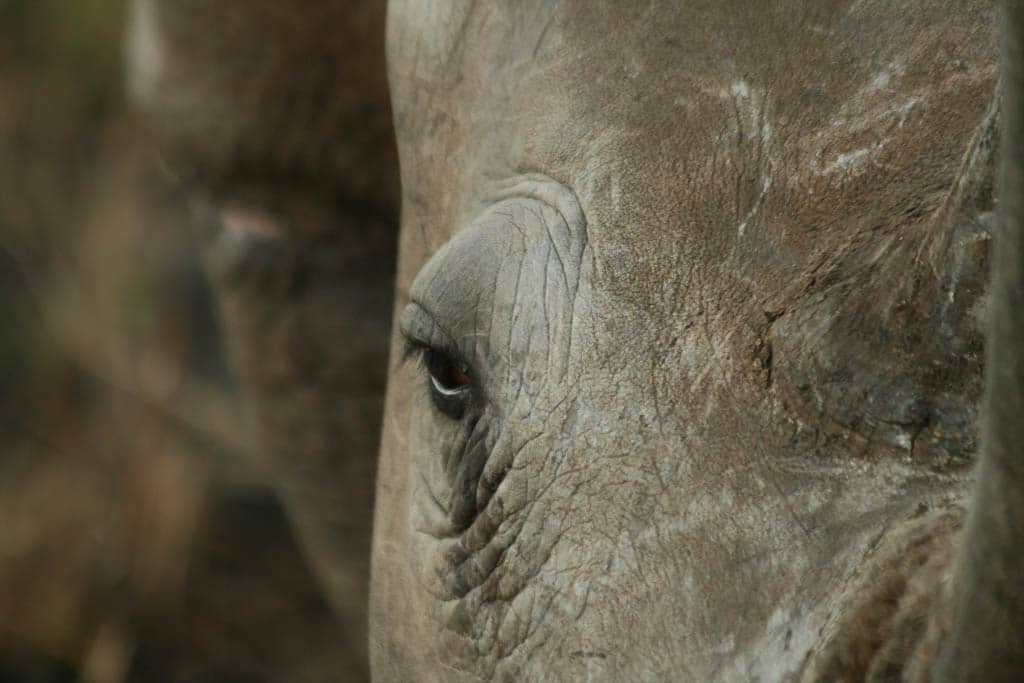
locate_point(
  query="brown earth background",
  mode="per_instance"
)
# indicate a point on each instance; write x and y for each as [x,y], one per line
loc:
[138,539]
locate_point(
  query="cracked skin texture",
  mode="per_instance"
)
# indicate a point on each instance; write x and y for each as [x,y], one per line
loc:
[776,204]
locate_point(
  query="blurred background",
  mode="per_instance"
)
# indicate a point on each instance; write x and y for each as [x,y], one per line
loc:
[138,539]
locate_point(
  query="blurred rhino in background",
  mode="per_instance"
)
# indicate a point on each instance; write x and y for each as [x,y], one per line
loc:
[276,119]
[139,539]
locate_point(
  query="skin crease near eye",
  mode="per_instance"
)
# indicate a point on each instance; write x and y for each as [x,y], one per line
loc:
[513,268]
[492,315]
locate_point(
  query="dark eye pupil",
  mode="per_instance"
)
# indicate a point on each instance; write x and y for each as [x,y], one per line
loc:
[444,370]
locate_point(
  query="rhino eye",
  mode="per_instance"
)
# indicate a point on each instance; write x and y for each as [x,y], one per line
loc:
[445,375]
[449,382]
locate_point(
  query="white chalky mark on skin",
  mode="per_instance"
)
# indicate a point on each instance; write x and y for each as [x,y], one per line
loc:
[880,81]
[902,110]
[766,184]
[869,116]
[845,160]
[754,110]
[853,161]
[781,666]
[740,89]
[883,78]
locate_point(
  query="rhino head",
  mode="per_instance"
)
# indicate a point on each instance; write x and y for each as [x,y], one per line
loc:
[691,303]
[689,324]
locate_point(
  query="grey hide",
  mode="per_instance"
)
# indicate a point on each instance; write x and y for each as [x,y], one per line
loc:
[692,297]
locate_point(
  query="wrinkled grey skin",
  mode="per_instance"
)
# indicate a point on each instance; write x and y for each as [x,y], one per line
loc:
[716,275]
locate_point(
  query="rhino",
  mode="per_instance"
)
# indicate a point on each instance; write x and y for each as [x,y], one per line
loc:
[703,366]
[276,127]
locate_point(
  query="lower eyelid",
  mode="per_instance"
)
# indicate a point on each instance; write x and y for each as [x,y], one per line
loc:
[448,393]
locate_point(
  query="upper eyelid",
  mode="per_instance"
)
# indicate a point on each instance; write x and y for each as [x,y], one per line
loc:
[438,339]
[436,336]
